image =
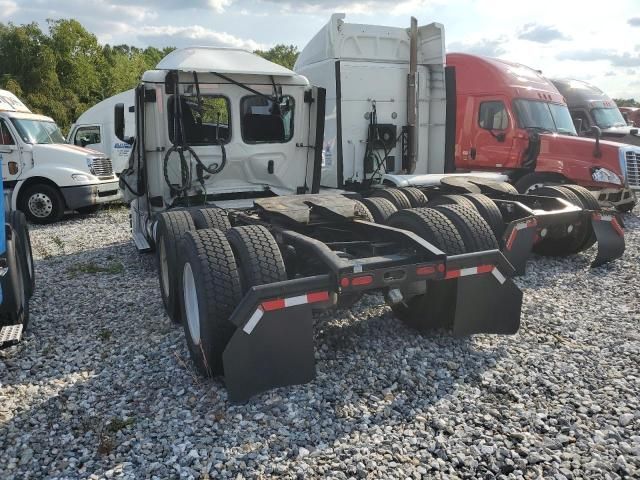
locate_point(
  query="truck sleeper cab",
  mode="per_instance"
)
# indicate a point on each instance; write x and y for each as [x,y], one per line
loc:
[224,183]
[94,130]
[46,176]
[510,118]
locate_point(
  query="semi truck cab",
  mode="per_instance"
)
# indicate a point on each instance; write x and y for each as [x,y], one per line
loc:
[510,118]
[45,176]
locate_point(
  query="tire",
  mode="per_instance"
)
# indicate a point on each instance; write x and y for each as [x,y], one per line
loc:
[451,200]
[394,195]
[171,227]
[508,188]
[14,299]
[204,218]
[257,256]
[416,197]
[532,181]
[417,311]
[18,221]
[88,209]
[569,244]
[431,225]
[489,211]
[380,208]
[474,230]
[362,212]
[209,292]
[589,202]
[42,203]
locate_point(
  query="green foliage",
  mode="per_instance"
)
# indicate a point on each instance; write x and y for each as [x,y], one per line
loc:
[626,102]
[285,55]
[63,72]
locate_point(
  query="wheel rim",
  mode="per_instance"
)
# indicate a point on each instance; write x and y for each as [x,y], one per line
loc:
[192,311]
[164,268]
[40,205]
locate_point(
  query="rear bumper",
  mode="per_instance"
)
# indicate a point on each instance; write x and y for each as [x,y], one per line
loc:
[87,195]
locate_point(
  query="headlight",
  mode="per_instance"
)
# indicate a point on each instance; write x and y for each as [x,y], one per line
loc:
[79,177]
[605,176]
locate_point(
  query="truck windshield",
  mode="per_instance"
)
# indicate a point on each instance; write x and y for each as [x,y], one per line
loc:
[548,117]
[608,117]
[38,131]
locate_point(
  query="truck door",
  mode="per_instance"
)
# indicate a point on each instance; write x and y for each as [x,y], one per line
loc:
[9,153]
[89,136]
[492,136]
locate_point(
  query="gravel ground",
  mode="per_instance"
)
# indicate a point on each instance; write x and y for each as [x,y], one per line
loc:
[102,385]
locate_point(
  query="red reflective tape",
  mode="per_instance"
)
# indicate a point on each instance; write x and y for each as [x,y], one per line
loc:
[344,282]
[616,226]
[511,239]
[316,297]
[276,304]
[452,274]
[485,268]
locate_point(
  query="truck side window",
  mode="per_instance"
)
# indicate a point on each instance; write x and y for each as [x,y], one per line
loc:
[87,136]
[205,124]
[5,135]
[262,123]
[493,116]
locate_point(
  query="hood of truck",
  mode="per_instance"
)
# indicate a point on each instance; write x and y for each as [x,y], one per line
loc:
[64,155]
[569,149]
[627,134]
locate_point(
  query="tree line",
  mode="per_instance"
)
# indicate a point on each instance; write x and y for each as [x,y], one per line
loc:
[65,70]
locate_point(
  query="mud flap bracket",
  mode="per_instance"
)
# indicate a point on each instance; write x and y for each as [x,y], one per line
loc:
[518,240]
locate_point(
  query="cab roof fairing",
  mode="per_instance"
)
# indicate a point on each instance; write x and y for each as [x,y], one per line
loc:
[371,43]
[511,79]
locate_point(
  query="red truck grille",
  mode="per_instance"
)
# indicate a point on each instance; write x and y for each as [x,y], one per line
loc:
[633,169]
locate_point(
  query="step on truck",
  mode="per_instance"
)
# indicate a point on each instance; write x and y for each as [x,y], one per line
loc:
[224,184]
[42,174]
[17,275]
[391,121]
[444,113]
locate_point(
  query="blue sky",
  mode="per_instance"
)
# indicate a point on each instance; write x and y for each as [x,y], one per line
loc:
[561,38]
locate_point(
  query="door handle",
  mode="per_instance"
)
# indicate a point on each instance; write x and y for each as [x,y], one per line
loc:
[472,153]
[6,150]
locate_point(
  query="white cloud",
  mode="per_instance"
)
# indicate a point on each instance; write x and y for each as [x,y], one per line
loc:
[7,8]
[194,35]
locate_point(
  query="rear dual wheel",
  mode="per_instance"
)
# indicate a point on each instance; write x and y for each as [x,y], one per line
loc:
[216,271]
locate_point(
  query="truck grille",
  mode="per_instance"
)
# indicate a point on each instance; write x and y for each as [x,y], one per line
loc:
[102,167]
[633,168]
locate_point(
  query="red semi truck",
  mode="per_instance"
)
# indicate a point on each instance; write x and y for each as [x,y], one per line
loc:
[511,119]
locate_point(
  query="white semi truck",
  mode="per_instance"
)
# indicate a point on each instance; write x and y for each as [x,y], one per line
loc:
[224,184]
[94,129]
[43,175]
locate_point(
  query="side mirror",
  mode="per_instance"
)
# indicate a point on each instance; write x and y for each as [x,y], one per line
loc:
[633,131]
[118,121]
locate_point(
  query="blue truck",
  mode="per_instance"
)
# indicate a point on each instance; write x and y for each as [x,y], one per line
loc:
[17,275]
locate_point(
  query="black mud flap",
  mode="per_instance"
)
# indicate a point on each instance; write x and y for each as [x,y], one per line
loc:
[610,237]
[487,303]
[273,343]
[486,299]
[517,242]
